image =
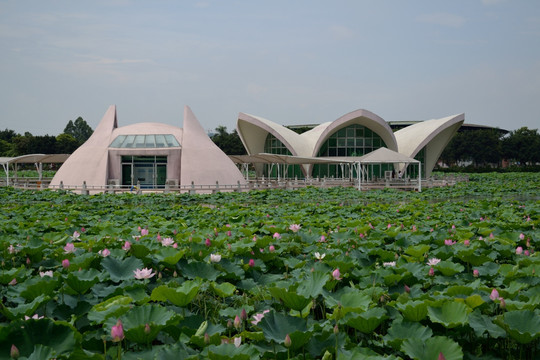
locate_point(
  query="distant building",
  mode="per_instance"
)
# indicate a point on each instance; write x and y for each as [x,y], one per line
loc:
[149,154]
[351,136]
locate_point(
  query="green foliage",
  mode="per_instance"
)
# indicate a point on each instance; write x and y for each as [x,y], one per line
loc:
[383,305]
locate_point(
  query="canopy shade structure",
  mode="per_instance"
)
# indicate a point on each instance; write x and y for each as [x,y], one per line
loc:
[265,158]
[387,156]
[37,159]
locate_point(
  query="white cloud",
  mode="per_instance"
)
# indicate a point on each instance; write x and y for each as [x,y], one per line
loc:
[443,19]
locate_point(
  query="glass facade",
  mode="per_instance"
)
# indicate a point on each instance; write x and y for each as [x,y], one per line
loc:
[148,171]
[273,145]
[353,140]
[412,169]
[145,141]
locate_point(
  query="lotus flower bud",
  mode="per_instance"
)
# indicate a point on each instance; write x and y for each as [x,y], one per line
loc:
[147,329]
[237,322]
[206,338]
[441,356]
[475,273]
[431,272]
[117,331]
[229,324]
[14,353]
[502,303]
[251,262]
[494,295]
[207,242]
[243,315]
[65,263]
[336,329]
[272,248]
[287,341]
[406,288]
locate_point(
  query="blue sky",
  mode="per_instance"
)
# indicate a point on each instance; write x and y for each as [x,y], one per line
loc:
[292,62]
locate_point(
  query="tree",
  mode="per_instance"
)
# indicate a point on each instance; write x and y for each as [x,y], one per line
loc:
[230,144]
[66,144]
[522,146]
[79,129]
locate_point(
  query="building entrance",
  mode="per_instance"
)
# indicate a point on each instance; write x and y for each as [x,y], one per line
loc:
[148,171]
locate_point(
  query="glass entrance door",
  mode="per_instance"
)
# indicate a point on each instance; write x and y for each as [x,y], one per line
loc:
[148,171]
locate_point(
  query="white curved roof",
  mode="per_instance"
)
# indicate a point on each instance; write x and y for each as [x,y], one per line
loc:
[432,134]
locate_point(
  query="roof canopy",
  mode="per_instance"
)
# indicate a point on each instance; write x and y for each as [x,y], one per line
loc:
[34,158]
[386,156]
[265,158]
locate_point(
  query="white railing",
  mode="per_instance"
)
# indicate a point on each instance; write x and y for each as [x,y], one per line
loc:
[254,184]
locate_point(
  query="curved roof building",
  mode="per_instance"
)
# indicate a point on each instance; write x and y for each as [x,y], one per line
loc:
[149,154]
[351,136]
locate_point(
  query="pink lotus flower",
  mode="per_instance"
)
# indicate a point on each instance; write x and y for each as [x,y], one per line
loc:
[207,242]
[104,252]
[12,249]
[521,236]
[237,341]
[144,232]
[294,227]
[75,235]
[277,236]
[449,242]
[117,331]
[215,258]
[494,295]
[467,242]
[127,246]
[476,273]
[251,263]
[526,253]
[519,250]
[389,264]
[167,241]
[271,248]
[229,233]
[69,248]
[258,317]
[336,274]
[46,273]
[65,263]
[433,261]
[13,282]
[35,317]
[143,274]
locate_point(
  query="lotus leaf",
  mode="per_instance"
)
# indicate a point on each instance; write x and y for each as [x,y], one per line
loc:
[448,268]
[413,310]
[180,296]
[431,348]
[276,327]
[119,269]
[403,330]
[450,314]
[59,336]
[367,321]
[522,325]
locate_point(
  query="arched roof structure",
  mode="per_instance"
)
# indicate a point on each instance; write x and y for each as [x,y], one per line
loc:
[433,135]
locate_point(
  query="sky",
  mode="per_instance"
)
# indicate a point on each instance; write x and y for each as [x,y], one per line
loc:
[291,62]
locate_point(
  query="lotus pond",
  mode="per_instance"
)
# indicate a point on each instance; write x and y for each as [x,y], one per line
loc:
[316,273]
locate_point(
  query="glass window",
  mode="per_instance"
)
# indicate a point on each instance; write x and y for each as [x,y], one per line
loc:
[148,141]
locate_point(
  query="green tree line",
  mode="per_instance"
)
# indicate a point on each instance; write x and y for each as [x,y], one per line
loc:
[74,135]
[490,147]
